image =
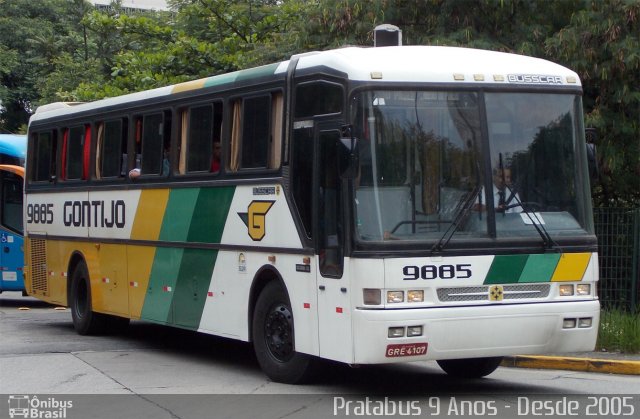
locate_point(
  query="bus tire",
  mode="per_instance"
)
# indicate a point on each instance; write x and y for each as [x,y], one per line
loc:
[85,320]
[273,338]
[470,368]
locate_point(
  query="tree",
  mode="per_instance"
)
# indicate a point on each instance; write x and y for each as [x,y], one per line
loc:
[35,38]
[201,38]
[602,43]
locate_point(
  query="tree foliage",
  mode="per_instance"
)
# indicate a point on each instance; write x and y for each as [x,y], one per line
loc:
[53,50]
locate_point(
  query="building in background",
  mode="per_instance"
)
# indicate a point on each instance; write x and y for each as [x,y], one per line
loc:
[133,4]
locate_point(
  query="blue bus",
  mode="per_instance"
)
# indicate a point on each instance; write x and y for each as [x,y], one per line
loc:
[13,149]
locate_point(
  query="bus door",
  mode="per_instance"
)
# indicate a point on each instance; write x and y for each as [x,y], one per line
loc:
[334,314]
[11,228]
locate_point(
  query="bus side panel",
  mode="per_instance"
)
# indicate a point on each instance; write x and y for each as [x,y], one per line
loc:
[140,260]
[179,278]
[109,280]
[150,210]
[258,217]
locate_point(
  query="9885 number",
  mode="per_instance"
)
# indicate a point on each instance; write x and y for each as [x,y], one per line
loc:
[459,271]
[40,213]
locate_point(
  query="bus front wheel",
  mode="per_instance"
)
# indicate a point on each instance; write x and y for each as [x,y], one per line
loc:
[273,338]
[85,320]
[470,368]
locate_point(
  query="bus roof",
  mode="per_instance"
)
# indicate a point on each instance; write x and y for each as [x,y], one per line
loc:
[383,64]
[13,145]
[441,65]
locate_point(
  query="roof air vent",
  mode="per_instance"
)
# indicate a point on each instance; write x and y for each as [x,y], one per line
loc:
[387,36]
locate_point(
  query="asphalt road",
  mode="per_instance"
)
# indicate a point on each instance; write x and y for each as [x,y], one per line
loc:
[40,353]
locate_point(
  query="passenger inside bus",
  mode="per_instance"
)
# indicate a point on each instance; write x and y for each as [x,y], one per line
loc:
[166,165]
[215,161]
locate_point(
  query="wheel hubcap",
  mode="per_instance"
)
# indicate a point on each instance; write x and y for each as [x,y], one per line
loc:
[278,329]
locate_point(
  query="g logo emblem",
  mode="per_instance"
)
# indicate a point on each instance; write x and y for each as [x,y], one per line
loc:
[255,218]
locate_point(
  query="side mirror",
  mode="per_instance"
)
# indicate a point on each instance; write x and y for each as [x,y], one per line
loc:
[347,153]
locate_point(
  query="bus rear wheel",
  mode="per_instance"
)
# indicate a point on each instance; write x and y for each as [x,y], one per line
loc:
[470,368]
[273,338]
[85,320]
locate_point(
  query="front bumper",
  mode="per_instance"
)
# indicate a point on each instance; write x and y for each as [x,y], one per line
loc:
[477,331]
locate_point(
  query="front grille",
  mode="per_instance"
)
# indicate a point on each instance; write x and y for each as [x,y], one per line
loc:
[463,294]
[481,293]
[39,266]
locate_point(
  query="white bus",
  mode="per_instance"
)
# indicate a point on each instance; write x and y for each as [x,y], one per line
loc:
[363,205]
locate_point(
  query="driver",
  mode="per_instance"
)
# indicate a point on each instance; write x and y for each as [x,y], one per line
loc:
[505,199]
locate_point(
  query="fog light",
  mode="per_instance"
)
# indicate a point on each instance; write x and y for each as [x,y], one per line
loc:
[414,331]
[566,290]
[395,296]
[372,296]
[583,289]
[396,332]
[585,322]
[569,323]
[415,296]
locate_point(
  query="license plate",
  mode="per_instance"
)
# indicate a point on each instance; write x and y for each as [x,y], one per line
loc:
[406,349]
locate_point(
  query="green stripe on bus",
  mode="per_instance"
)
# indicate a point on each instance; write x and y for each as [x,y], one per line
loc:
[254,73]
[162,284]
[221,79]
[177,216]
[180,277]
[540,268]
[506,269]
[242,75]
[192,286]
[210,214]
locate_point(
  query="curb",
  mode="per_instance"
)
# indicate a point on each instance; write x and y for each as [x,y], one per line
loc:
[605,366]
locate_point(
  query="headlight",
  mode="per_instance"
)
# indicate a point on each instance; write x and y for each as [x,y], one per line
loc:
[395,296]
[566,290]
[415,296]
[583,289]
[414,331]
[585,322]
[396,332]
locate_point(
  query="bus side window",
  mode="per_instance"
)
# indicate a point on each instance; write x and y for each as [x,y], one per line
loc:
[200,135]
[11,202]
[256,132]
[318,98]
[302,175]
[44,156]
[153,144]
[75,143]
[112,146]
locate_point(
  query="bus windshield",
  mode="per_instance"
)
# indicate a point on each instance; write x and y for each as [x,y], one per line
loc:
[469,165]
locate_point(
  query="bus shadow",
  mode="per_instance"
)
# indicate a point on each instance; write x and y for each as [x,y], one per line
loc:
[417,379]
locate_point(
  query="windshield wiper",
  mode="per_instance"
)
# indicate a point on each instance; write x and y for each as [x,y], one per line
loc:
[537,223]
[461,211]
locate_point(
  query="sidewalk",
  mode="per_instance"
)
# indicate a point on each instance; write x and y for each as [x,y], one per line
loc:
[602,362]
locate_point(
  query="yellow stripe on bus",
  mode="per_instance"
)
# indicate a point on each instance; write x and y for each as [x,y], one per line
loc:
[149,215]
[571,267]
[140,262]
[190,85]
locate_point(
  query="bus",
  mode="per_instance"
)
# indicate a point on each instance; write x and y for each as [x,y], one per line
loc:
[13,150]
[337,205]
